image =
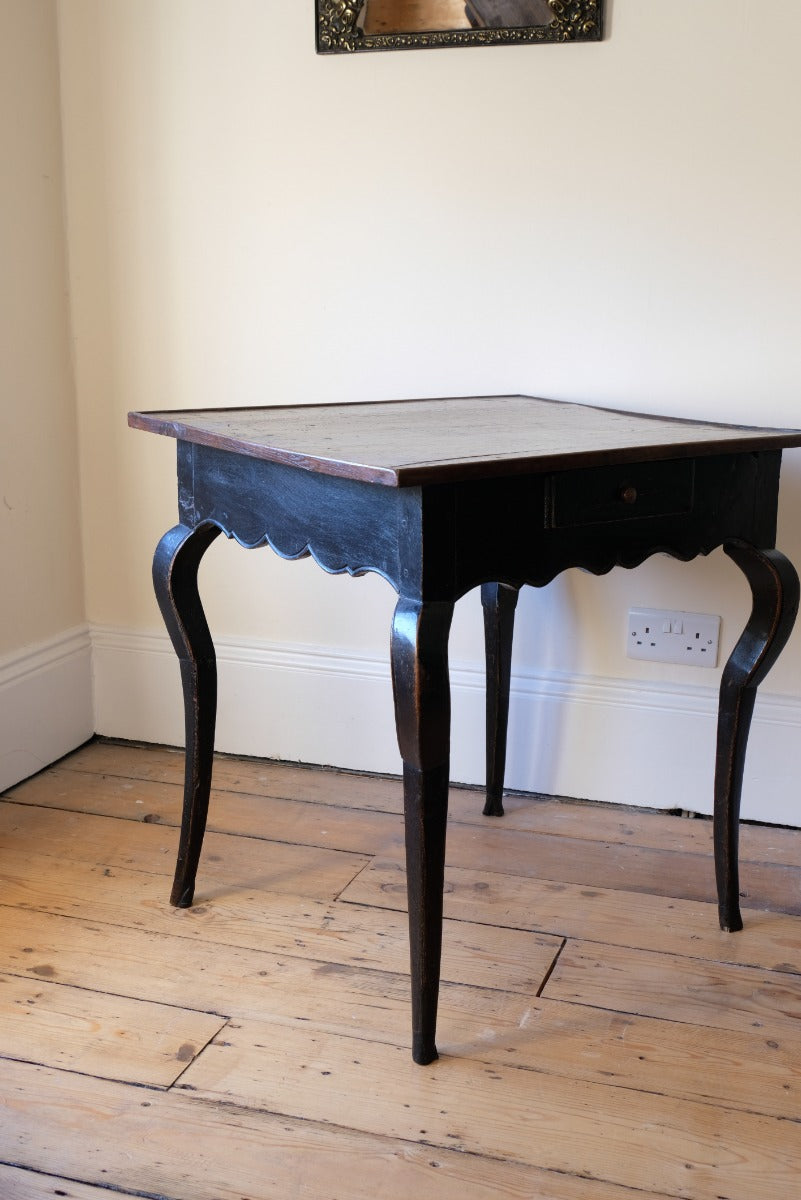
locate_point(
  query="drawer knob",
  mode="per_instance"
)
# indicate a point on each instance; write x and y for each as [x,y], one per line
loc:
[628,494]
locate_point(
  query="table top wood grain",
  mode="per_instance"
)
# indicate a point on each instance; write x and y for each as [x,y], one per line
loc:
[406,443]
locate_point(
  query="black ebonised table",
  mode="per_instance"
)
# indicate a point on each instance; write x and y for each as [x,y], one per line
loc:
[441,496]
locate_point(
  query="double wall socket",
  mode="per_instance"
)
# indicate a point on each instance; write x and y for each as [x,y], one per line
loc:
[663,635]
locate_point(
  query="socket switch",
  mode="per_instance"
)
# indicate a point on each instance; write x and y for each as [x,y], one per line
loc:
[663,635]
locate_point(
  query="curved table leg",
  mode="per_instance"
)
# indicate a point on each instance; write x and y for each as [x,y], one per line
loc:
[499,602]
[421,687]
[175,568]
[775,590]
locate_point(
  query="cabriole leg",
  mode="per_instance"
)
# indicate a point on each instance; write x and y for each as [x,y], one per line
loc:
[422,711]
[499,602]
[175,568]
[775,589]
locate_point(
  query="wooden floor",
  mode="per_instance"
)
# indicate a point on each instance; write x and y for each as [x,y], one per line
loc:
[600,1038]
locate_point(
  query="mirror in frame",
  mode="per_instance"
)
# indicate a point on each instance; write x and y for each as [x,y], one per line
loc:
[348,26]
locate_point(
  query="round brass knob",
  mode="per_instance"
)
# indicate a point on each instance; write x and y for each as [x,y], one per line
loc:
[628,494]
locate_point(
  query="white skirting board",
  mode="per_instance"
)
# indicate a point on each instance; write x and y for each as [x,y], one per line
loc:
[45,703]
[628,742]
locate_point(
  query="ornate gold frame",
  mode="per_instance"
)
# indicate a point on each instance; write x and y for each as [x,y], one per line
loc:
[338,32]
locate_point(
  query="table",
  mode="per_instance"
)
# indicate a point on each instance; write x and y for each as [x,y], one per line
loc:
[442,496]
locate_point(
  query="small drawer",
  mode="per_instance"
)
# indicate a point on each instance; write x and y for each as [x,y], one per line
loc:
[599,495]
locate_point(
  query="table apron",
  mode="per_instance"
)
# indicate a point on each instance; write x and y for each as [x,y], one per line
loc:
[527,530]
[439,541]
[344,524]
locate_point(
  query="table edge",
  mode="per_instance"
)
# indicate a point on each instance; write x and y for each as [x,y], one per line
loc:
[416,474]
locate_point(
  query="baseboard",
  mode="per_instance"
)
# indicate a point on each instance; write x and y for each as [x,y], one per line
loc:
[627,741]
[46,705]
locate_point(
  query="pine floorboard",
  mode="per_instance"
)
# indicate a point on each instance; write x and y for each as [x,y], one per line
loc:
[600,1038]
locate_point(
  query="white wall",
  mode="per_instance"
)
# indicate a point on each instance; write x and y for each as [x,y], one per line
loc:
[249,223]
[45,684]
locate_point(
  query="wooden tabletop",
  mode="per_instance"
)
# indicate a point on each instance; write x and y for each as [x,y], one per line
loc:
[404,443]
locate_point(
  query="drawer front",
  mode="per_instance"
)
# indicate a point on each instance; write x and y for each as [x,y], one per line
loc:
[599,495]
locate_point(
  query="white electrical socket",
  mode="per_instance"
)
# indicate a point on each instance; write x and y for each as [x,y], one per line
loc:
[663,635]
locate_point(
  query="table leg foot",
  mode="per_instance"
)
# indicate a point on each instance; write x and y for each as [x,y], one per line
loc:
[499,602]
[775,590]
[422,710]
[423,1050]
[175,568]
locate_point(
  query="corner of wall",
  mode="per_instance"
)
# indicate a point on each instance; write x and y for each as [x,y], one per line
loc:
[46,706]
